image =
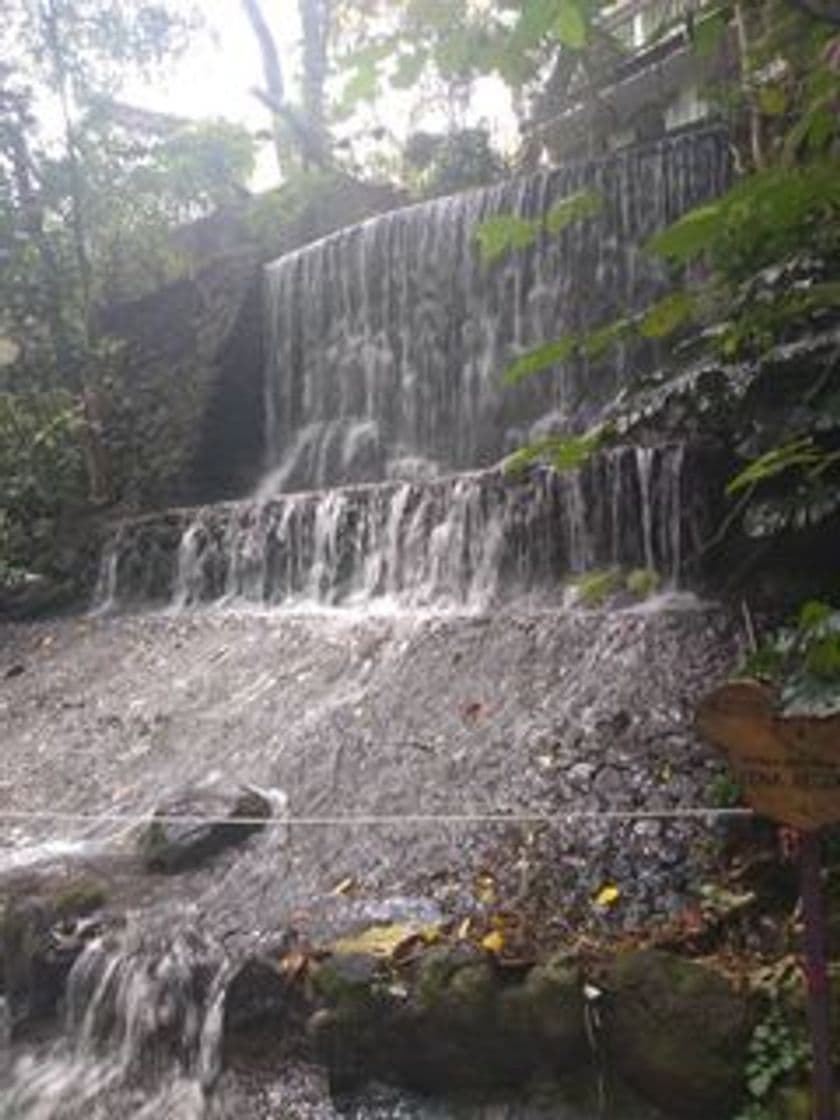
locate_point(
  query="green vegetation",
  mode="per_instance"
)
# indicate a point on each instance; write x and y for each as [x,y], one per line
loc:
[751,325]
[778,1052]
[90,193]
[595,588]
[802,660]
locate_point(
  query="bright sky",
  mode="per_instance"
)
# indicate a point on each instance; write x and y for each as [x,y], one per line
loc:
[223,64]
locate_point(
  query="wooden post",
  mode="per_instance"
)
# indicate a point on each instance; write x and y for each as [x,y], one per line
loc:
[816,973]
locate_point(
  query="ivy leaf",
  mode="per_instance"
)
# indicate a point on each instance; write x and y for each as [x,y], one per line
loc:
[570,26]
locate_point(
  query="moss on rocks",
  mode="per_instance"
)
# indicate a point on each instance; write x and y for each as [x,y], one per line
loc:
[677,1032]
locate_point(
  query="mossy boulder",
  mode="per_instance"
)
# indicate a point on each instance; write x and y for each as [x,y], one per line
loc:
[677,1032]
[44,926]
[208,824]
[545,1015]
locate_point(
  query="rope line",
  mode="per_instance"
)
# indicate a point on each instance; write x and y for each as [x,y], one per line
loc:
[371,820]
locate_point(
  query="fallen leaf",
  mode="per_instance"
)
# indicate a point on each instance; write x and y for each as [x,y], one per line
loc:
[608,895]
[386,941]
[344,887]
[494,942]
[485,888]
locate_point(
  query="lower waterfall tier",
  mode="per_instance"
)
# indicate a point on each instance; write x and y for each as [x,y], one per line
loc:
[464,541]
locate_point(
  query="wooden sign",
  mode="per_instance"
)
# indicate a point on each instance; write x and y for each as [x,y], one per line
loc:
[788,767]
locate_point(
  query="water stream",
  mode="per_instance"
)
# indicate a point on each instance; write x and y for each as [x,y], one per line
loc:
[388,638]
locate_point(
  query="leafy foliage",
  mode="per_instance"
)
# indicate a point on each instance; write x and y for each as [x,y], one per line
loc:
[42,478]
[90,193]
[563,453]
[505,233]
[803,661]
[777,1051]
[752,320]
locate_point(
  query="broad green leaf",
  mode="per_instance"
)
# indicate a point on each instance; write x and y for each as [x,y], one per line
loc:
[541,358]
[584,204]
[562,452]
[498,235]
[813,613]
[797,453]
[690,236]
[597,342]
[667,315]
[570,26]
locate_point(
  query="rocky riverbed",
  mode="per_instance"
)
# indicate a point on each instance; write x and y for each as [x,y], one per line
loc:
[333,716]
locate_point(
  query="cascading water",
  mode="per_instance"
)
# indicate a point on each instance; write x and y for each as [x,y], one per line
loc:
[387,341]
[385,347]
[464,541]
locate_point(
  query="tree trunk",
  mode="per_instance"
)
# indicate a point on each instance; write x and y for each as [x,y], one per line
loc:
[315,22]
[82,363]
[275,91]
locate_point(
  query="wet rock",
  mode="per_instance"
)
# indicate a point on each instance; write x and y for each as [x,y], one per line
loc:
[545,1015]
[348,1036]
[346,976]
[256,996]
[43,929]
[677,1032]
[33,596]
[170,846]
[447,1033]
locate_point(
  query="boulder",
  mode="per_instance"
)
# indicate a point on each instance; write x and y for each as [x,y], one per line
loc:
[545,1015]
[170,846]
[677,1032]
[44,927]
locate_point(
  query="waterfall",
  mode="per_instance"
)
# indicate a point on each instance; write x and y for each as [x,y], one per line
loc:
[387,341]
[385,413]
[464,541]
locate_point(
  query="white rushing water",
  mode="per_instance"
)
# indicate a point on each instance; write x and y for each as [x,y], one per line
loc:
[384,415]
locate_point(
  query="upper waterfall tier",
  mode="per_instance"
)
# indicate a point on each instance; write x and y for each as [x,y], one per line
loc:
[386,342]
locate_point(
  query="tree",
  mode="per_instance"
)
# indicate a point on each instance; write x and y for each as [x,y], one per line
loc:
[81,193]
[301,130]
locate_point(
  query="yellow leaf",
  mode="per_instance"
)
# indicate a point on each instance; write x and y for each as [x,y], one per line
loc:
[494,942]
[381,941]
[485,888]
[608,895]
[464,930]
[344,887]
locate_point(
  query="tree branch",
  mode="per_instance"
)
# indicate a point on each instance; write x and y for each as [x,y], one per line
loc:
[272,72]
